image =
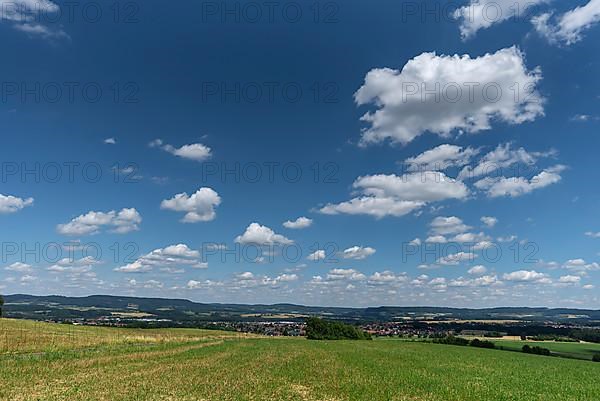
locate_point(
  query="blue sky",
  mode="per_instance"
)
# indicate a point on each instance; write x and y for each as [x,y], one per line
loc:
[325,157]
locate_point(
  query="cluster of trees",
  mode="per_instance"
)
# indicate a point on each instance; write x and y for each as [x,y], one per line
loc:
[548,337]
[536,350]
[1,304]
[452,340]
[482,344]
[319,329]
[589,335]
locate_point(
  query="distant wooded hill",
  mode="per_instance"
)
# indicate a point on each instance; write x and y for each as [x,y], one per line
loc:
[97,306]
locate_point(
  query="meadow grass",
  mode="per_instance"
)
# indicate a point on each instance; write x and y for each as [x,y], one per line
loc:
[566,349]
[25,336]
[226,367]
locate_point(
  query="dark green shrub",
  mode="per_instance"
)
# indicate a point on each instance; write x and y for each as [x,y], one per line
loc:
[596,358]
[542,351]
[319,329]
[452,340]
[536,350]
[482,344]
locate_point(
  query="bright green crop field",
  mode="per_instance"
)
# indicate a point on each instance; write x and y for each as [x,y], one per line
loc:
[53,363]
[575,350]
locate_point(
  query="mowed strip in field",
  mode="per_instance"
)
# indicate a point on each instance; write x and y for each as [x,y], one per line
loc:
[225,366]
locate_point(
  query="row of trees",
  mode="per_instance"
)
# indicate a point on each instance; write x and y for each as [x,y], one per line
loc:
[319,329]
[589,335]
[452,340]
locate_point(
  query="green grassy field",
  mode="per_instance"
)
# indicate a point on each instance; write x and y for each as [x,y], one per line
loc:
[25,336]
[575,350]
[199,365]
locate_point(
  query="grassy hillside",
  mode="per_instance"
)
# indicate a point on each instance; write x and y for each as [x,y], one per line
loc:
[25,336]
[196,365]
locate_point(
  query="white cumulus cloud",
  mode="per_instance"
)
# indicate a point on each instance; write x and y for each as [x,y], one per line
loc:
[75,266]
[441,158]
[194,151]
[518,186]
[568,28]
[27,16]
[469,237]
[167,259]
[489,221]
[470,94]
[456,258]
[358,252]
[436,239]
[569,279]
[317,255]
[502,159]
[581,266]
[526,276]
[299,223]
[448,225]
[345,274]
[12,204]
[393,195]
[199,207]
[258,234]
[477,270]
[122,222]
[372,206]
[482,14]
[19,267]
